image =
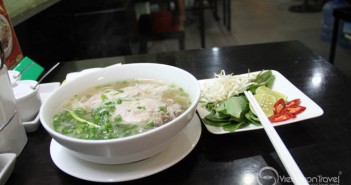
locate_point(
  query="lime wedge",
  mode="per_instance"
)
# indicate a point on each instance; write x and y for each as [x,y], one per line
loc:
[266,90]
[266,102]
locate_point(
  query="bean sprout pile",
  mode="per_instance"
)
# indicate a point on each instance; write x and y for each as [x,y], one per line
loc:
[224,86]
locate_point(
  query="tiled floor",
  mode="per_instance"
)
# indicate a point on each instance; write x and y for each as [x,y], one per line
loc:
[258,22]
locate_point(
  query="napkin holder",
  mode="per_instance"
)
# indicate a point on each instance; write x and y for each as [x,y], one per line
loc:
[13,136]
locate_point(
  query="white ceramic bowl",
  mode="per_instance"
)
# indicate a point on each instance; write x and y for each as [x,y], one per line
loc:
[28,101]
[131,148]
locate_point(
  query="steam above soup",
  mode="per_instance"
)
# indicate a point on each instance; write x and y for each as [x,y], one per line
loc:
[120,109]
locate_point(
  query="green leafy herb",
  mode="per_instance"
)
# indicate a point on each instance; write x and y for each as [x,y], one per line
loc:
[229,114]
[163,109]
[104,97]
[141,107]
[265,78]
[76,117]
[234,112]
[118,119]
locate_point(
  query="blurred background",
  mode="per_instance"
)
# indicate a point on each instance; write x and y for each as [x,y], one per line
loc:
[65,30]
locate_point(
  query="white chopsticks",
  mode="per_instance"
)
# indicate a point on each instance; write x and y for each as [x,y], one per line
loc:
[283,153]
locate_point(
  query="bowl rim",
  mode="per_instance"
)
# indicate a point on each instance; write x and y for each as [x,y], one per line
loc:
[193,106]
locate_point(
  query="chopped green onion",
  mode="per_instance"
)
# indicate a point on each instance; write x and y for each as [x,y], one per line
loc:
[75,116]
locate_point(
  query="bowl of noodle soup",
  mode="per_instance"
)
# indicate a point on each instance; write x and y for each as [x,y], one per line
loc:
[121,114]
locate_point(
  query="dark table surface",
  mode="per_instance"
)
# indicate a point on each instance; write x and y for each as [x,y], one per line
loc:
[321,146]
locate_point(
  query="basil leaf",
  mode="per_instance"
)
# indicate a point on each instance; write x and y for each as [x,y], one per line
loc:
[252,118]
[234,126]
[235,106]
[216,123]
[265,78]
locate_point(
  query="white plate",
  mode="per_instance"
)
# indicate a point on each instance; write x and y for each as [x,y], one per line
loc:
[181,147]
[7,163]
[283,85]
[45,90]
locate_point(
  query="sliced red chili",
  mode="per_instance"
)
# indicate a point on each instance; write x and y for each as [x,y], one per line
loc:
[279,106]
[281,117]
[293,103]
[294,109]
